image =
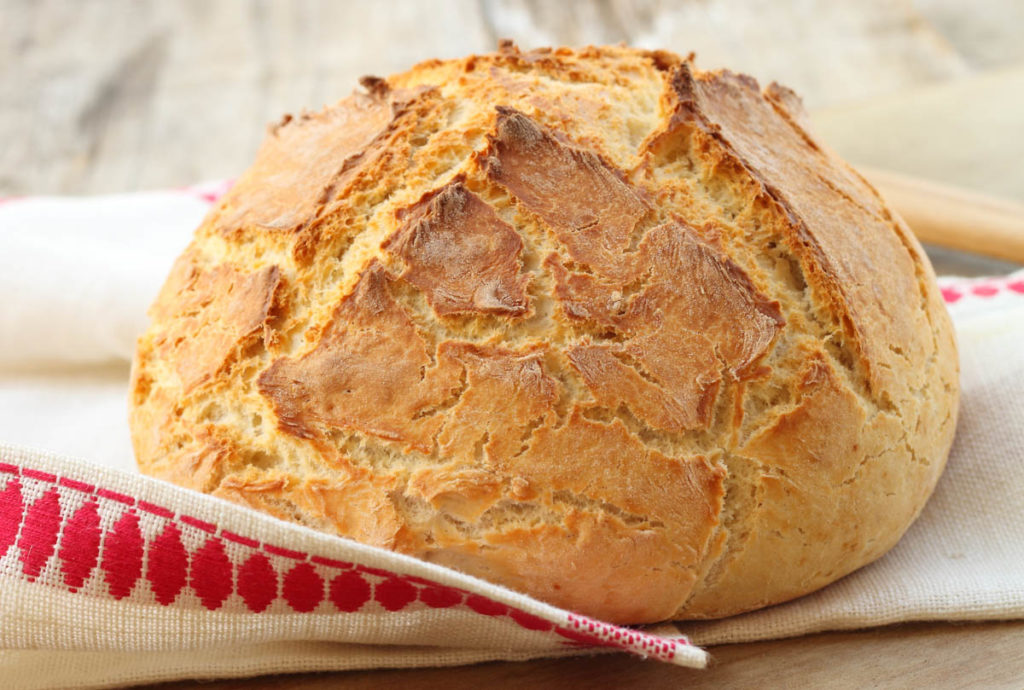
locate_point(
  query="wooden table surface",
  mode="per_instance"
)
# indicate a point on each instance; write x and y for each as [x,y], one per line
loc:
[125,95]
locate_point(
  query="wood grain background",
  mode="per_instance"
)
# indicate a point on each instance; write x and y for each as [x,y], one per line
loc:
[125,94]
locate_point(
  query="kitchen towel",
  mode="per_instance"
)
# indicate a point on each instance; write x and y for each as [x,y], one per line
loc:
[109,578]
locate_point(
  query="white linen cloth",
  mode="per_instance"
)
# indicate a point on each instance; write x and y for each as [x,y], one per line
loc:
[77,276]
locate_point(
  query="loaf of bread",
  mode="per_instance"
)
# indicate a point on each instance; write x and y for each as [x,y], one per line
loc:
[591,324]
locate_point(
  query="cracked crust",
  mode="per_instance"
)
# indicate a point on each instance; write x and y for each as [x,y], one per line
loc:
[460,255]
[593,324]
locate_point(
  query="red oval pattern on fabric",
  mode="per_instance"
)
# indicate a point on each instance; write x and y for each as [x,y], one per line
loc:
[257,583]
[531,622]
[122,555]
[11,507]
[80,545]
[349,591]
[440,597]
[951,295]
[394,593]
[210,574]
[303,589]
[167,569]
[485,606]
[122,551]
[39,533]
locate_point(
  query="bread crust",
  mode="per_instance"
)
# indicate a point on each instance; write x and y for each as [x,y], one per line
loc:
[593,324]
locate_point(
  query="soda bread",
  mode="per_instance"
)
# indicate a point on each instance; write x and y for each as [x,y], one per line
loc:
[592,324]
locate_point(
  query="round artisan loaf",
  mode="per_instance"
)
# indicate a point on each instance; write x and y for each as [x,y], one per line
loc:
[592,324]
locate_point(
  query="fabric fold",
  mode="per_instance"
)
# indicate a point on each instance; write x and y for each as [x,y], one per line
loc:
[79,273]
[100,561]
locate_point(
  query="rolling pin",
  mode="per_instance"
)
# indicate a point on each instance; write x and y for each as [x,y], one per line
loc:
[954,218]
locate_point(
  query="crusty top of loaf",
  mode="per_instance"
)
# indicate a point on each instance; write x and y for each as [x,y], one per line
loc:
[590,323]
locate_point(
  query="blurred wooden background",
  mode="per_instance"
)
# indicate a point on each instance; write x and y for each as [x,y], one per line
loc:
[123,95]
[127,94]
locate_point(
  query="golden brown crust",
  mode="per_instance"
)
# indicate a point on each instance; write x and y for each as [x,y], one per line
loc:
[210,312]
[306,152]
[584,201]
[630,517]
[505,394]
[593,324]
[460,254]
[831,215]
[370,372]
[714,319]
